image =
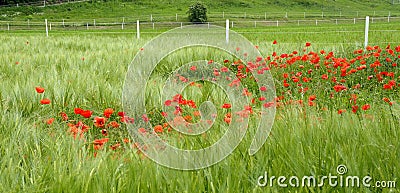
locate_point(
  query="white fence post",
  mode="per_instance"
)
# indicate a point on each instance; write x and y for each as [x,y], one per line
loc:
[354,21]
[255,24]
[137,29]
[50,26]
[123,23]
[153,26]
[63,23]
[47,29]
[286,15]
[227,31]
[87,26]
[151,17]
[8,26]
[316,22]
[366,31]
[94,22]
[336,21]
[277,23]
[298,22]
[388,18]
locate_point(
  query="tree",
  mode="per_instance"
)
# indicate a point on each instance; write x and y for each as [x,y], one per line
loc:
[197,13]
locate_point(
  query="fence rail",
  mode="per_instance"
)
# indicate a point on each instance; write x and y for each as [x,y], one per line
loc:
[43,3]
[131,24]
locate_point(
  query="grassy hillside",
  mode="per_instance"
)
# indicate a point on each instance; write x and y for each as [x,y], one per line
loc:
[166,10]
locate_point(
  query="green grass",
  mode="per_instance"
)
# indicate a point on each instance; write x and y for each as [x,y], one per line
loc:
[36,157]
[237,9]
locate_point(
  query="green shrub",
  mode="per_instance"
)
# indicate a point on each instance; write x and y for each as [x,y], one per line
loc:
[197,13]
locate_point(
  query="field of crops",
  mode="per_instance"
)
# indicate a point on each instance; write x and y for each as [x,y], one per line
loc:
[64,126]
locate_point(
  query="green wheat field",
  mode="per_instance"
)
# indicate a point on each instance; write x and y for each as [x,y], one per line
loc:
[54,91]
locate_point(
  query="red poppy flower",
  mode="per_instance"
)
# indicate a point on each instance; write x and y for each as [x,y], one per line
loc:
[268,104]
[228,118]
[100,141]
[142,130]
[45,101]
[263,88]
[64,116]
[104,132]
[387,87]
[353,98]
[312,98]
[340,111]
[108,112]
[121,114]
[308,44]
[145,118]
[113,124]
[226,106]
[39,89]
[99,121]
[354,109]
[339,88]
[158,129]
[191,103]
[274,42]
[50,121]
[366,107]
[167,103]
[285,75]
[78,111]
[126,119]
[248,108]
[386,99]
[115,146]
[86,113]
[286,85]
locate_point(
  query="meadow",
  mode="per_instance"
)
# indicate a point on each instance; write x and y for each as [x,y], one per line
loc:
[59,145]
